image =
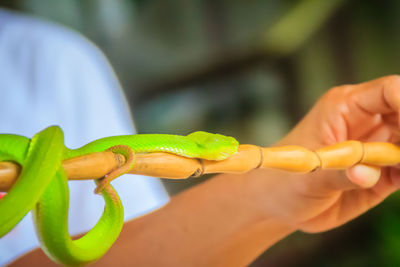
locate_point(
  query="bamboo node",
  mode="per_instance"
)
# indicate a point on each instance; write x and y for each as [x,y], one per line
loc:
[120,159]
[261,151]
[199,171]
[320,162]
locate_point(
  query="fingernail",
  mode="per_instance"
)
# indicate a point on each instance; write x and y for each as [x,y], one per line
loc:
[365,176]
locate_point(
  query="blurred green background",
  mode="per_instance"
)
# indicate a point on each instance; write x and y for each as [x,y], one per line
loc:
[250,69]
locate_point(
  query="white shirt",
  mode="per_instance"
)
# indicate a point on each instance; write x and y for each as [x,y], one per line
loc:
[52,76]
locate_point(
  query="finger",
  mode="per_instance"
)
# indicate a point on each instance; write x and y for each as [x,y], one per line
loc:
[395,177]
[381,133]
[390,119]
[384,186]
[328,182]
[395,137]
[379,96]
[325,183]
[363,176]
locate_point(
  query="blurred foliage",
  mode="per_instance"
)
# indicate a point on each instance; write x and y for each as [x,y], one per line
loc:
[214,65]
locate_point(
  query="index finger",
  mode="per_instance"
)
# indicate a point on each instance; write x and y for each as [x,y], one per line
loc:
[379,96]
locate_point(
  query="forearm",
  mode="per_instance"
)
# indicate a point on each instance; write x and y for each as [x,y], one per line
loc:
[220,222]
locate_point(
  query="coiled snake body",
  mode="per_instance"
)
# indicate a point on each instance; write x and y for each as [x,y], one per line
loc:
[42,186]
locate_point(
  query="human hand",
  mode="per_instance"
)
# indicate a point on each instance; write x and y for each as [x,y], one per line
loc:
[326,199]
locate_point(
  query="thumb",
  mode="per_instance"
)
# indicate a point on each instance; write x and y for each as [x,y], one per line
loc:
[364,176]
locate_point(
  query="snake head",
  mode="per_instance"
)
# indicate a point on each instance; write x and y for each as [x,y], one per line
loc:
[214,146]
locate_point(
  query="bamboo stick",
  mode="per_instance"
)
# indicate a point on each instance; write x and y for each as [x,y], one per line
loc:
[165,165]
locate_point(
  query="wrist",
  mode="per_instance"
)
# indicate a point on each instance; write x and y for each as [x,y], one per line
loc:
[230,212]
[269,193]
[260,201]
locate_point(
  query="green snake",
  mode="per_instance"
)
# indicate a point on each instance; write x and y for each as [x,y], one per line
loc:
[42,186]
